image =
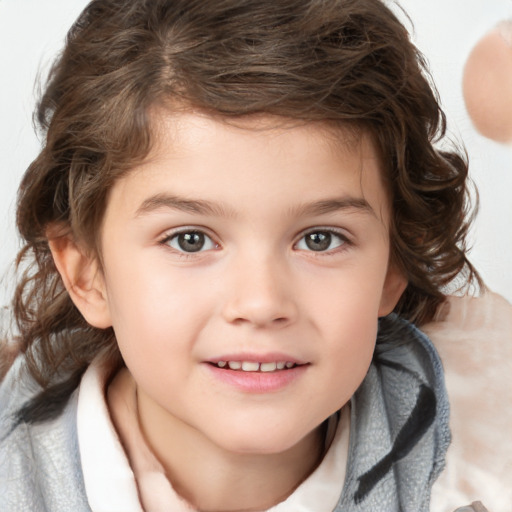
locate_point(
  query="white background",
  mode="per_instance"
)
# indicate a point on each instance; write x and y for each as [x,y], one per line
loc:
[32,31]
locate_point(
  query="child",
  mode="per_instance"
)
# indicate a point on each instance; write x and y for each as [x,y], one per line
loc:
[234,201]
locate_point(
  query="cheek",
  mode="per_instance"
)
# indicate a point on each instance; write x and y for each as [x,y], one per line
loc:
[155,308]
[344,365]
[347,313]
[349,299]
[353,339]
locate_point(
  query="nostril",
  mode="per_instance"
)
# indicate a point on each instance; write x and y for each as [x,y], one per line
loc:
[276,321]
[259,310]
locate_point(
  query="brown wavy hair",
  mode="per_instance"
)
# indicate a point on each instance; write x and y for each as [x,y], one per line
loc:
[338,61]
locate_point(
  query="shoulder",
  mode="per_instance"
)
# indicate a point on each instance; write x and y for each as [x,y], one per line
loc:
[471,319]
[16,388]
[474,339]
[17,465]
[39,463]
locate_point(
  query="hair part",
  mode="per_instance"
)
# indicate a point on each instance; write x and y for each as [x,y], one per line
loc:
[345,62]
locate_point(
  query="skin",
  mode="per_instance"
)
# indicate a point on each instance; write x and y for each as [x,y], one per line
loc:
[256,289]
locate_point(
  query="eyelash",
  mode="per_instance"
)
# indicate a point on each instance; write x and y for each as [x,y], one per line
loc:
[344,241]
[169,237]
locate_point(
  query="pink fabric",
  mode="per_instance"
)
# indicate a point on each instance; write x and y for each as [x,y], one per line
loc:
[474,339]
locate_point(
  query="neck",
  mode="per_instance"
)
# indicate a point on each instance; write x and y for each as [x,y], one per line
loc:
[214,479]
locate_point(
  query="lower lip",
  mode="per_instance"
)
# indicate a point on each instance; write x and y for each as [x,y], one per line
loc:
[257,382]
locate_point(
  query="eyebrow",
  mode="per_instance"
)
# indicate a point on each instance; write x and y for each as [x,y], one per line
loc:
[202,207]
[357,204]
[196,206]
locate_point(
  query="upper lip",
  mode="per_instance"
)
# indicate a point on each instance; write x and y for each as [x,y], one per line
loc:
[258,358]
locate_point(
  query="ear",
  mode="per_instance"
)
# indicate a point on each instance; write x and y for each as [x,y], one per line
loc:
[83,280]
[394,285]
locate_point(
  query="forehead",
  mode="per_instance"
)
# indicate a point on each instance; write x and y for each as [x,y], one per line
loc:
[183,126]
[195,154]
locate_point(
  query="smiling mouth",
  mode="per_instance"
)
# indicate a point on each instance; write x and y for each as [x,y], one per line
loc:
[253,366]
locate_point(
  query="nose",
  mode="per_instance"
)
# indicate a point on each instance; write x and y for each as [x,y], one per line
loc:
[260,293]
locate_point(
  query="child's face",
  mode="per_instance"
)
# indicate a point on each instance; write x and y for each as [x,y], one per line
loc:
[265,245]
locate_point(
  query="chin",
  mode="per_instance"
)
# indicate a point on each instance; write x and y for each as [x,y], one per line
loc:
[263,441]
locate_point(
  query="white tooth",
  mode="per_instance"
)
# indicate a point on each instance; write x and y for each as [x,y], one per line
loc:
[221,364]
[250,366]
[235,365]
[280,365]
[268,367]
[289,365]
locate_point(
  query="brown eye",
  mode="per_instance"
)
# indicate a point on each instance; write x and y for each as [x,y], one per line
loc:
[190,241]
[318,241]
[321,241]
